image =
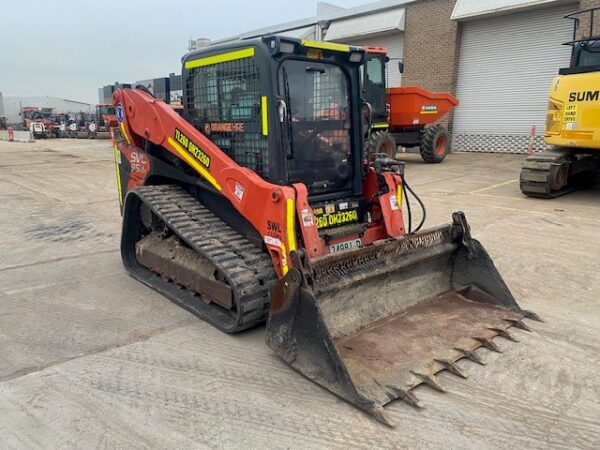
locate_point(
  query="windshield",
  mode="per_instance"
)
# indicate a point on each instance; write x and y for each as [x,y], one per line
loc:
[319,122]
[375,83]
[589,55]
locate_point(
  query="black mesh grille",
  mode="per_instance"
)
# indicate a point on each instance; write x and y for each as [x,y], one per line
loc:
[225,103]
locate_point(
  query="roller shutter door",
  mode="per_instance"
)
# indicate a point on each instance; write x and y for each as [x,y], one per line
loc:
[504,72]
[394,42]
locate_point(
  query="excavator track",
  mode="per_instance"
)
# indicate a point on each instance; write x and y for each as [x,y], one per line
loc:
[546,175]
[558,171]
[196,258]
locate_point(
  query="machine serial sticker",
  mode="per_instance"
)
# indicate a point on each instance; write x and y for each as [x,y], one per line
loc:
[307,218]
[339,218]
[239,191]
[394,203]
[272,241]
[192,148]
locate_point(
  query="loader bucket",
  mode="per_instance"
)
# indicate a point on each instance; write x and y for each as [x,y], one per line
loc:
[371,324]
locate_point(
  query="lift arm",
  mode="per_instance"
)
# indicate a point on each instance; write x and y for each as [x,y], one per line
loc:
[268,207]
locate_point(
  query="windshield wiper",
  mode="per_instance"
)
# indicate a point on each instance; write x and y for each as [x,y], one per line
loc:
[287,118]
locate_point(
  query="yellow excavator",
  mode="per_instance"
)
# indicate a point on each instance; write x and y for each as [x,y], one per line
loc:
[572,121]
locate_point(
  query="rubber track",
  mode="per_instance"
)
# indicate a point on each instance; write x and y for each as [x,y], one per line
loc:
[248,270]
[542,189]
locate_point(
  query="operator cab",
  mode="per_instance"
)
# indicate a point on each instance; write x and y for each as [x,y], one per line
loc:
[288,109]
[374,83]
[585,55]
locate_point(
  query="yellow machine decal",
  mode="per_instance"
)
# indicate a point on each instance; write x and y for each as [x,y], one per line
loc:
[338,218]
[223,57]
[117,155]
[325,45]
[187,157]
[570,114]
[124,133]
[380,125]
[399,195]
[192,148]
[265,119]
[291,220]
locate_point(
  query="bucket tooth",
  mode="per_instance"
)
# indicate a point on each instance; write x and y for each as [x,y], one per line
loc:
[407,396]
[489,344]
[382,415]
[430,380]
[452,367]
[518,323]
[504,333]
[471,355]
[531,315]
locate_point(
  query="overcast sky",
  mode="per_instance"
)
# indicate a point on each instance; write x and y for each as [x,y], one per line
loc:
[70,48]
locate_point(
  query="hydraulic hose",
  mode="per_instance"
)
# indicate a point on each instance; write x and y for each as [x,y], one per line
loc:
[405,187]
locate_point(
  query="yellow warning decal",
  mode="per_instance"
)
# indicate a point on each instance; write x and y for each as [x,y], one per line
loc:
[380,125]
[325,45]
[117,155]
[291,220]
[570,114]
[265,119]
[192,148]
[223,57]
[187,157]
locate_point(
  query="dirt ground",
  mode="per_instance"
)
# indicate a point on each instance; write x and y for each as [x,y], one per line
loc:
[91,358]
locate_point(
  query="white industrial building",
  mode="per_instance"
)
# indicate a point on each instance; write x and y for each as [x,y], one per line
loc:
[11,107]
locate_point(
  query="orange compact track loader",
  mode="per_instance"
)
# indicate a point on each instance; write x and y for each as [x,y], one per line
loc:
[257,202]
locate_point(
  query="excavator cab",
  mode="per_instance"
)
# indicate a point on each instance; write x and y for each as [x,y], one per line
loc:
[258,203]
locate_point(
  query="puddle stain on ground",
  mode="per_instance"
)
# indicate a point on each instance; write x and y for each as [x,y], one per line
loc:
[68,229]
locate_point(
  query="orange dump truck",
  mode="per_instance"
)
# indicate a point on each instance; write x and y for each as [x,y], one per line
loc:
[404,115]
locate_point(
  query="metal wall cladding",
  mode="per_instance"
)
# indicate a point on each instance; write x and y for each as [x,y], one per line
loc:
[505,68]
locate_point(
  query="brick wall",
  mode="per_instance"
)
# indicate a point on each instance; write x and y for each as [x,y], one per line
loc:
[431,46]
[585,18]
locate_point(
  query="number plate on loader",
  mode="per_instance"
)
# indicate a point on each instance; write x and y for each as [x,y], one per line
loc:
[346,245]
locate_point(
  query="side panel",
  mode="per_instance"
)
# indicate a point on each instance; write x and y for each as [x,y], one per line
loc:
[573,118]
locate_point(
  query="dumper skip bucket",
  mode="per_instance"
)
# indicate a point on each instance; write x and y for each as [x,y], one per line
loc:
[373,323]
